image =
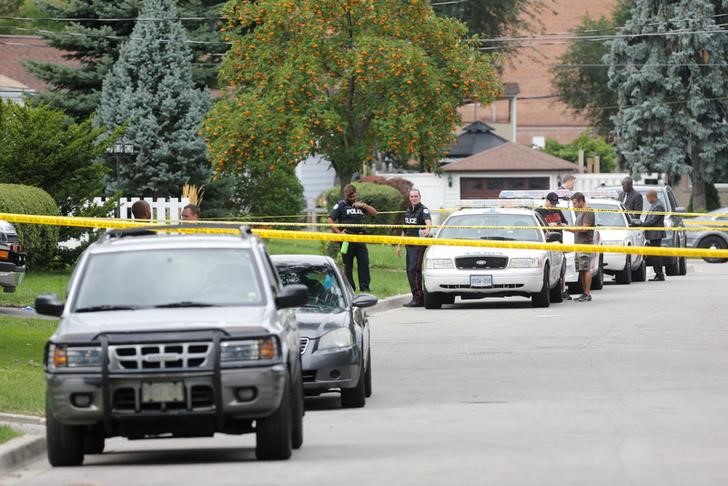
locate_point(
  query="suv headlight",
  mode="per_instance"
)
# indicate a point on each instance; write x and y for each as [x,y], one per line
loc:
[265,349]
[438,263]
[525,263]
[338,338]
[63,356]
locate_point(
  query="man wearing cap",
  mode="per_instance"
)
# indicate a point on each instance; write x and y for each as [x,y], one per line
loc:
[553,216]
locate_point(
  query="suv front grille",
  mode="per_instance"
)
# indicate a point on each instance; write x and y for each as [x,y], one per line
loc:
[170,356]
[128,399]
[481,263]
[304,344]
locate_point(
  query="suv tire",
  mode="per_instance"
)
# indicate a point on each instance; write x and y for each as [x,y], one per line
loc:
[355,397]
[65,442]
[297,410]
[273,433]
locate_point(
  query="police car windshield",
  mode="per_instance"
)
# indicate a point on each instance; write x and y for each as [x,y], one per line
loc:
[324,292]
[492,219]
[608,218]
[169,278]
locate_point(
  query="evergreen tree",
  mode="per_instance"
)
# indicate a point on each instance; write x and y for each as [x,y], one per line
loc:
[671,90]
[150,92]
[94,40]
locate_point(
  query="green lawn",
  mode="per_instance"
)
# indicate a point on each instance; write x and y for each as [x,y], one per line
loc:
[34,284]
[6,433]
[21,363]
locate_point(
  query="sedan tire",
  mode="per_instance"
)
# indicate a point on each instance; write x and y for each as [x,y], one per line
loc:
[355,397]
[718,244]
[542,299]
[432,300]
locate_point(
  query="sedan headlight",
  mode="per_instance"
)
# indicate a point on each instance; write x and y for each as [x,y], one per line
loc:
[63,356]
[526,263]
[438,263]
[339,338]
[265,349]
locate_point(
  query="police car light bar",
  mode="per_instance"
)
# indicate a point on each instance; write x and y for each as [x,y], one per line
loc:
[562,193]
[499,203]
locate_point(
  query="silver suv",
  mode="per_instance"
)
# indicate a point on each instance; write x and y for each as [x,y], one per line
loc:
[173,335]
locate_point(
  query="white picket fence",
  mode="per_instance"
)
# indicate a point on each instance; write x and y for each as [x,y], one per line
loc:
[163,210]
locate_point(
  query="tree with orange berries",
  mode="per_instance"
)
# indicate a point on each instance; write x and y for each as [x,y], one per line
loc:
[346,79]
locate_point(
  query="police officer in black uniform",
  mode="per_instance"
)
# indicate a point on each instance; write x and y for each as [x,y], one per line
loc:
[416,215]
[351,211]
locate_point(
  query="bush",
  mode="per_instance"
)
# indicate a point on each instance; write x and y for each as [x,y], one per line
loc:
[40,241]
[383,198]
[402,185]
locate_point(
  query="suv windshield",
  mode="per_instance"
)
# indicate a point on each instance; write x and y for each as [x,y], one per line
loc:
[608,218]
[324,291]
[168,278]
[492,219]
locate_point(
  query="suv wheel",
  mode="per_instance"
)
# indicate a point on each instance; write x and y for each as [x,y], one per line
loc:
[542,299]
[65,442]
[273,434]
[624,276]
[672,266]
[355,397]
[683,266]
[297,410]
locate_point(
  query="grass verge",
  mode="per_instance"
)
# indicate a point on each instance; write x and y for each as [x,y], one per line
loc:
[21,363]
[6,433]
[34,284]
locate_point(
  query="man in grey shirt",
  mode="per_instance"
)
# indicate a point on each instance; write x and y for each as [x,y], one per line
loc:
[583,237]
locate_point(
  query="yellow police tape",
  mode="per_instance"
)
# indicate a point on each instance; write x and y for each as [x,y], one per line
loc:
[374,239]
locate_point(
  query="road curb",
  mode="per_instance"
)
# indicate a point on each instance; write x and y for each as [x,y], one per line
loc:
[390,303]
[21,450]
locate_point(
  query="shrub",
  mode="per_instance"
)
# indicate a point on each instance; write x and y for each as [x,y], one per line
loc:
[402,185]
[384,199]
[40,241]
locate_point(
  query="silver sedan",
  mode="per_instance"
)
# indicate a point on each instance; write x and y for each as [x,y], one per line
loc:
[716,237]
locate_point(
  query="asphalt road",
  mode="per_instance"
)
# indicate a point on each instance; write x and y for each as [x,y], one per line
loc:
[631,388]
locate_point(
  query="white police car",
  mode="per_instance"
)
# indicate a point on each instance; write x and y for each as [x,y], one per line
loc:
[472,272]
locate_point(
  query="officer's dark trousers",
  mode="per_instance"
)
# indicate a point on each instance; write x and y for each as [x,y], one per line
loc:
[414,269]
[360,252]
[656,261]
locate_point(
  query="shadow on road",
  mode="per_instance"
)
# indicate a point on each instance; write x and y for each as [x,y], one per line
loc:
[171,457]
[325,402]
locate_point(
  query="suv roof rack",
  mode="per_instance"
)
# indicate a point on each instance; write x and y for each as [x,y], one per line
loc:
[150,230]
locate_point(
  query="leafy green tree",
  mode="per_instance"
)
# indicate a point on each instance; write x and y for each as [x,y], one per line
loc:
[150,92]
[581,76]
[94,42]
[346,79]
[672,91]
[593,146]
[493,18]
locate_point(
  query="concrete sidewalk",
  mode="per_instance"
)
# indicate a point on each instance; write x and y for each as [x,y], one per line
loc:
[26,448]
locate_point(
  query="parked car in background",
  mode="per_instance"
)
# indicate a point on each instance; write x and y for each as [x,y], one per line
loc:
[178,335]
[12,258]
[472,272]
[716,237]
[334,329]
[674,239]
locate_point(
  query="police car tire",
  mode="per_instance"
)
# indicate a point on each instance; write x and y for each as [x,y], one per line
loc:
[556,293]
[640,275]
[542,298]
[432,300]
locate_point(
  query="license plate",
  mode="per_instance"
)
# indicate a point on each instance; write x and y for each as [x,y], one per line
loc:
[482,281]
[159,392]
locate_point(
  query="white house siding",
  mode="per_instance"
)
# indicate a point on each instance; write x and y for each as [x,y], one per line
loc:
[316,176]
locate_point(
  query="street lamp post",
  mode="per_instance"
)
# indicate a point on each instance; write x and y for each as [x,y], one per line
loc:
[117,149]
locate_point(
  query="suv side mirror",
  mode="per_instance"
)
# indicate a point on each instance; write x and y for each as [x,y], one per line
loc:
[292,296]
[364,300]
[635,222]
[49,305]
[554,237]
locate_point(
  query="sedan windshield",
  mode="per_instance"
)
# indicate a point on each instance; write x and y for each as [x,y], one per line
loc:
[608,218]
[492,219]
[168,278]
[324,292]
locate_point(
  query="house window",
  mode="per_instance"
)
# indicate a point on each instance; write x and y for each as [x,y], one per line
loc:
[490,187]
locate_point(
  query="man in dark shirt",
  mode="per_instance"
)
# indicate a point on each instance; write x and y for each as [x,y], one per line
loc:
[416,215]
[584,218]
[553,216]
[655,219]
[351,211]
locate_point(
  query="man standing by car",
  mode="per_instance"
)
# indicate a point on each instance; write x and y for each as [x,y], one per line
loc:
[417,215]
[584,218]
[351,211]
[553,216]
[568,183]
[631,199]
[655,219]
